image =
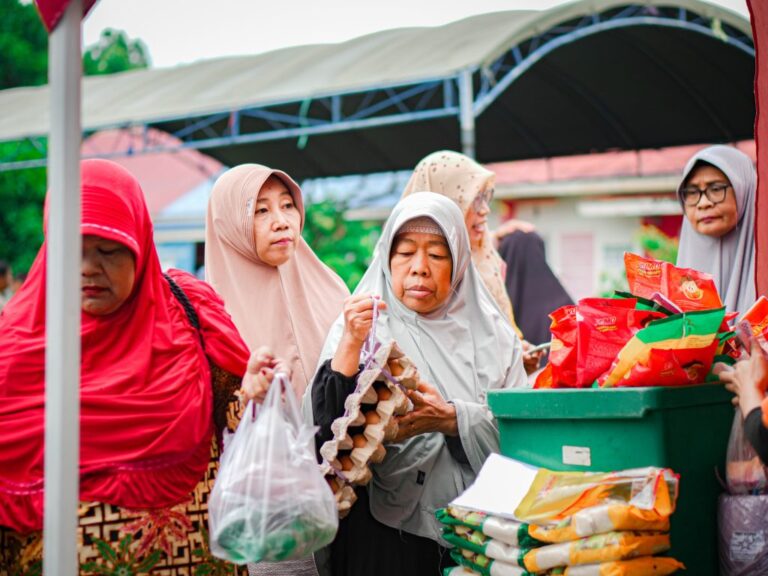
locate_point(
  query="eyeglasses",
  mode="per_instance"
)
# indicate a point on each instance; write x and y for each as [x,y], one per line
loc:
[715,193]
[484,197]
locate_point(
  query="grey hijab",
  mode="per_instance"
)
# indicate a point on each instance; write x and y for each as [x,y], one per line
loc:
[465,348]
[731,258]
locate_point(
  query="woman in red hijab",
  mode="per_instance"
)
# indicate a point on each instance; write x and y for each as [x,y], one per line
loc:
[161,362]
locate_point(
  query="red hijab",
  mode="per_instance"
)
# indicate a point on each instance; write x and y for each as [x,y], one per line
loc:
[146,400]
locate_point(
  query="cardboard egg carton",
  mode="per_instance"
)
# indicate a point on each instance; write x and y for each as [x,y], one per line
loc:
[343,493]
[369,417]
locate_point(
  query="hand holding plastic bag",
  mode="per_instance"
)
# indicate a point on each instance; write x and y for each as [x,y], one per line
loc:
[744,473]
[270,502]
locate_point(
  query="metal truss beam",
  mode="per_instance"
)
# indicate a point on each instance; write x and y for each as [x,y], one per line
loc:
[520,58]
[389,105]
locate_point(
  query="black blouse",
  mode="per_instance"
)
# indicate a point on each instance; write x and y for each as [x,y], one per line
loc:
[363,545]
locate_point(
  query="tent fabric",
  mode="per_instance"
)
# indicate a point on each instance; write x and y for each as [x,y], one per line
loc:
[759,12]
[388,58]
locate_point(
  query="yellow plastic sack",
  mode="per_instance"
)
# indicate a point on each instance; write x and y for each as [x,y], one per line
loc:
[645,566]
[596,549]
[554,496]
[598,520]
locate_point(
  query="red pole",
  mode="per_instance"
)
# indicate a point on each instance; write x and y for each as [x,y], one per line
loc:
[758,10]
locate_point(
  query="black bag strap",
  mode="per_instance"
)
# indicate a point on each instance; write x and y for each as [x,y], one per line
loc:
[181,296]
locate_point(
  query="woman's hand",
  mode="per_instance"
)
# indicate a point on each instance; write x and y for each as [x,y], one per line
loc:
[509,226]
[358,320]
[531,360]
[747,380]
[261,370]
[431,413]
[358,316]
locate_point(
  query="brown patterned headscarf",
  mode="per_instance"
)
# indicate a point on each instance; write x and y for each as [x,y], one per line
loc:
[461,179]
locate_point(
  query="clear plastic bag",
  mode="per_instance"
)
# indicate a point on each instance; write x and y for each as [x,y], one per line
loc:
[744,473]
[270,501]
[743,541]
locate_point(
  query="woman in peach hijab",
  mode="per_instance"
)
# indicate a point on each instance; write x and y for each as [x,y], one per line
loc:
[471,186]
[276,289]
[278,292]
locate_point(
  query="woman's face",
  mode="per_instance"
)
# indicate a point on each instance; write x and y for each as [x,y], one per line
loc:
[477,217]
[108,272]
[715,213]
[277,223]
[421,268]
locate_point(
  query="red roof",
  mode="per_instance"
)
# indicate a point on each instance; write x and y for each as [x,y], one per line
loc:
[658,162]
[164,176]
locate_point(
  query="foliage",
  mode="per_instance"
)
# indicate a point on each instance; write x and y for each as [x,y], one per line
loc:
[22,193]
[344,245]
[657,244]
[610,282]
[114,52]
[24,46]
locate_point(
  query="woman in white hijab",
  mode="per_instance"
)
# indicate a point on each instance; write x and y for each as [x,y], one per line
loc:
[717,193]
[435,306]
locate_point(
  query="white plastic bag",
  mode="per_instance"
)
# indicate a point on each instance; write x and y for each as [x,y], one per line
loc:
[270,501]
[743,541]
[744,473]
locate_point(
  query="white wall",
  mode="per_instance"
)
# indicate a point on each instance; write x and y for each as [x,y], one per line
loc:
[585,252]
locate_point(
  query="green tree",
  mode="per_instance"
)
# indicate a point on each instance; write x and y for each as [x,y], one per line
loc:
[657,244]
[115,52]
[22,193]
[23,44]
[344,245]
[24,62]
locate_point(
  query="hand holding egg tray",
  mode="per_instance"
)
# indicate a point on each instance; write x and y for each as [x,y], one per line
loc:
[368,422]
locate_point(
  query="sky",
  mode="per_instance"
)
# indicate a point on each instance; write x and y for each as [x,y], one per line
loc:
[182,31]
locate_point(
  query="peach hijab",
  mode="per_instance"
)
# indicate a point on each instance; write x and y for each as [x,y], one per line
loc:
[289,308]
[461,179]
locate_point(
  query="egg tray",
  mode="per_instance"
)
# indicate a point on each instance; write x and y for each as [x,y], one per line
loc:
[368,422]
[343,493]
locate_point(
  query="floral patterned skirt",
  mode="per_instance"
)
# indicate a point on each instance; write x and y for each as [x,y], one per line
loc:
[122,542]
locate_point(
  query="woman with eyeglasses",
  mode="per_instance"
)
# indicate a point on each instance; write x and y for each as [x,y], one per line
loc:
[717,193]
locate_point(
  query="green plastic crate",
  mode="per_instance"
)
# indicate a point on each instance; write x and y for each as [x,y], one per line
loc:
[685,429]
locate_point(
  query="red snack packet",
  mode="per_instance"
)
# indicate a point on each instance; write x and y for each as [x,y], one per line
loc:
[757,316]
[687,288]
[544,379]
[676,351]
[672,368]
[605,325]
[728,346]
[562,354]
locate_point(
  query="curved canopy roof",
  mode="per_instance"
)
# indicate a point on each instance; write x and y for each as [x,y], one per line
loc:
[589,75]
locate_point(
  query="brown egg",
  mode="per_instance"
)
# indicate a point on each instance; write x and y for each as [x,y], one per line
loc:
[372,417]
[333,482]
[395,368]
[384,393]
[346,463]
[359,441]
